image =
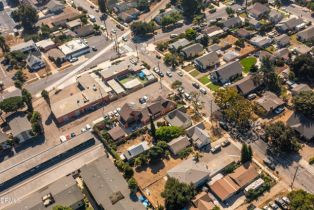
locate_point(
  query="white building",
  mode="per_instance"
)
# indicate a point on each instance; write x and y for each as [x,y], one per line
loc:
[74,48]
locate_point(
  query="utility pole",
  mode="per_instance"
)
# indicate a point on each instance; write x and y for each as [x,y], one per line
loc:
[295,175]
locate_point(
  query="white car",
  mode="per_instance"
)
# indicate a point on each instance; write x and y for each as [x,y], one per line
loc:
[146,98]
[202,90]
[118,109]
[83,130]
[125,38]
[88,127]
[169,74]
[72,60]
[63,139]
[172,36]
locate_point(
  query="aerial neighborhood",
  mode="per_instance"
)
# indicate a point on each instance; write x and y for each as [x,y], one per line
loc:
[156,104]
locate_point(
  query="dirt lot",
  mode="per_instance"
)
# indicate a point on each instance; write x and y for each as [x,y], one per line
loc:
[153,192]
[248,49]
[230,39]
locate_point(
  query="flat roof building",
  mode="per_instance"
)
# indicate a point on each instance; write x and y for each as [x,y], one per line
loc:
[74,48]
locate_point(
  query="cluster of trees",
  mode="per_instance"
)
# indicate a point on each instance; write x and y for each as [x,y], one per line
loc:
[270,78]
[190,34]
[143,5]
[281,137]
[170,19]
[26,15]
[60,207]
[172,60]
[191,8]
[125,168]
[140,28]
[16,58]
[303,68]
[167,133]
[177,195]
[235,108]
[3,45]
[246,153]
[36,123]
[304,103]
[301,200]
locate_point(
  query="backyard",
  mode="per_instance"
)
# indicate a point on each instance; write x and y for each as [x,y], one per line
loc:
[204,80]
[247,63]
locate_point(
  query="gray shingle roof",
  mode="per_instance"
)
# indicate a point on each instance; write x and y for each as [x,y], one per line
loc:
[270,101]
[179,144]
[302,125]
[228,70]
[259,9]
[307,34]
[180,43]
[18,123]
[232,22]
[208,59]
[193,49]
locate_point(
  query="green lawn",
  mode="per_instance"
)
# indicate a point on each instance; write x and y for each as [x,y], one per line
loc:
[195,73]
[247,63]
[213,87]
[204,80]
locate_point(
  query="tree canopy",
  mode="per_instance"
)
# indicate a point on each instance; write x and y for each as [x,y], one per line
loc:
[191,7]
[303,68]
[304,103]
[281,137]
[270,77]
[177,194]
[234,107]
[12,104]
[246,153]
[301,200]
[59,207]
[167,133]
[190,34]
[27,15]
[170,19]
[140,28]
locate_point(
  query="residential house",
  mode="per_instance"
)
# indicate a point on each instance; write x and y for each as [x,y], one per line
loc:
[117,133]
[74,48]
[213,31]
[258,11]
[264,54]
[45,44]
[202,201]
[34,62]
[247,85]
[224,188]
[198,135]
[54,7]
[227,72]
[206,61]
[243,33]
[275,16]
[282,40]
[233,22]
[230,55]
[84,30]
[20,126]
[178,144]
[290,25]
[189,172]
[244,175]
[214,48]
[281,54]
[302,49]
[56,55]
[270,102]
[74,24]
[181,43]
[129,15]
[25,47]
[192,50]
[306,35]
[167,12]
[261,41]
[108,188]
[4,141]
[254,23]
[63,191]
[303,125]
[179,119]
[297,88]
[135,150]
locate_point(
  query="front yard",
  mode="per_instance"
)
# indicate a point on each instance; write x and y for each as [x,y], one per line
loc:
[213,87]
[204,80]
[195,73]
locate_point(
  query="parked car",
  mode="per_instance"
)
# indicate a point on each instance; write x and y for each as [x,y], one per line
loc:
[156,69]
[269,163]
[63,139]
[251,96]
[88,127]
[187,96]
[73,135]
[224,126]
[196,85]
[180,73]
[181,90]
[172,36]
[72,60]
[216,148]
[225,143]
[286,200]
[125,38]
[161,74]
[169,74]
[202,90]
[281,203]
[83,130]
[273,205]
[94,48]
[120,27]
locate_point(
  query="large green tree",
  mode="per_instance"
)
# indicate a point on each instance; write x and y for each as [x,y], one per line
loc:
[281,137]
[27,98]
[191,7]
[246,153]
[3,45]
[171,59]
[140,28]
[301,200]
[27,15]
[167,133]
[303,67]
[234,107]
[304,103]
[190,34]
[270,78]
[12,104]
[177,195]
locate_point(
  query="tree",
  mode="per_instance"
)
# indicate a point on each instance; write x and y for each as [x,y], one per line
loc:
[270,77]
[36,117]
[46,97]
[191,7]
[12,104]
[304,103]
[177,195]
[143,5]
[36,128]
[196,103]
[176,84]
[235,108]
[84,19]
[303,68]
[138,162]
[246,153]
[240,43]
[132,185]
[27,98]
[162,144]
[59,207]
[27,15]
[3,45]
[301,200]
[197,156]
[229,11]
[152,127]
[140,28]
[190,34]
[155,153]
[102,5]
[171,60]
[167,133]
[204,40]
[281,137]
[45,31]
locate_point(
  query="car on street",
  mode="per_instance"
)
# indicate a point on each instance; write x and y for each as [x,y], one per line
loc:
[180,73]
[286,200]
[72,135]
[225,143]
[94,48]
[273,205]
[143,99]
[169,74]
[97,10]
[187,96]
[63,139]
[269,163]
[202,90]
[118,109]
[120,27]
[156,69]
[224,126]
[181,90]
[267,208]
[196,85]
[83,130]
[281,203]
[72,60]
[172,36]
[113,31]
[88,127]
[125,38]
[215,149]
[251,96]
[161,74]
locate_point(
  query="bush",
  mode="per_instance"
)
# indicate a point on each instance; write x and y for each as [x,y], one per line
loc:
[167,133]
[185,153]
[311,161]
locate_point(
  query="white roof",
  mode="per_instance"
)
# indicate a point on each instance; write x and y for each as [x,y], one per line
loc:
[73,46]
[138,149]
[132,83]
[45,43]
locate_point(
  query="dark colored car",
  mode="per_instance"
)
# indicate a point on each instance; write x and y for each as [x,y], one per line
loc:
[224,126]
[196,85]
